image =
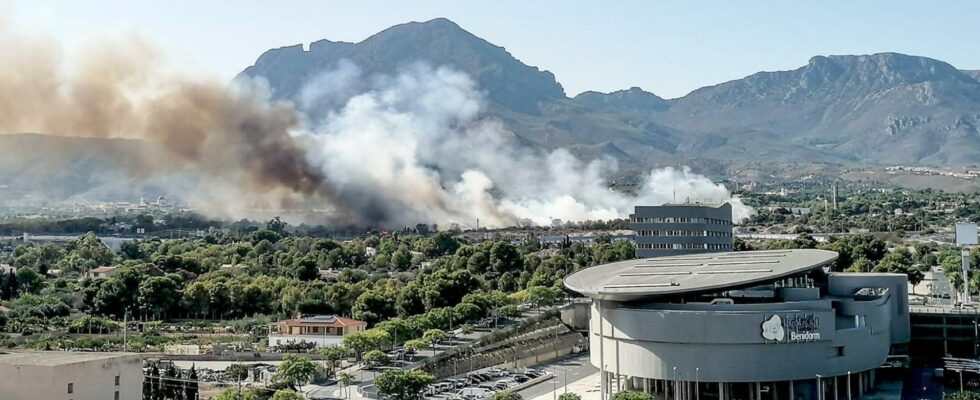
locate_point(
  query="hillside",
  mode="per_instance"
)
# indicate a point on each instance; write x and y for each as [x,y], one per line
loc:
[880,108]
[508,82]
[876,109]
[852,110]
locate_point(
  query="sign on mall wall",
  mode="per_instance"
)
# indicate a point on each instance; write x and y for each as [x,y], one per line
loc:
[791,328]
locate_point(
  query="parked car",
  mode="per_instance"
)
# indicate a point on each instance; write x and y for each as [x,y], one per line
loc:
[444,386]
[488,387]
[532,373]
[520,378]
[472,394]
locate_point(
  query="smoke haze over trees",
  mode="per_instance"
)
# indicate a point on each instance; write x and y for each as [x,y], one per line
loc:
[368,150]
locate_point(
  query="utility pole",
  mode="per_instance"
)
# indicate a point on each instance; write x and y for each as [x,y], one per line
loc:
[125,330]
[966,235]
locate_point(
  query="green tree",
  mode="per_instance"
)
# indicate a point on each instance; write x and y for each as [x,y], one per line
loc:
[444,244]
[333,354]
[375,358]
[403,384]
[238,372]
[286,395]
[235,394]
[433,335]
[631,396]
[158,295]
[416,344]
[506,396]
[410,300]
[861,265]
[951,263]
[362,342]
[900,261]
[964,395]
[294,371]
[345,379]
[541,296]
[569,396]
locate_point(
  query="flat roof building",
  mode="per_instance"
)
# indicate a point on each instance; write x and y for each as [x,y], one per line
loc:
[677,229]
[71,375]
[745,325]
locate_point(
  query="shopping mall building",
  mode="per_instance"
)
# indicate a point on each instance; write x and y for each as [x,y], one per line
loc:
[744,325]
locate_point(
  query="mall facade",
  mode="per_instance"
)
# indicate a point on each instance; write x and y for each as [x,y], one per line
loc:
[746,325]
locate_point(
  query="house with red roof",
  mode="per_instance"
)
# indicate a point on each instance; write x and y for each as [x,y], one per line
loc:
[322,330]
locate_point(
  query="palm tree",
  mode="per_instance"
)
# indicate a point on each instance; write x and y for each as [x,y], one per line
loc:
[345,379]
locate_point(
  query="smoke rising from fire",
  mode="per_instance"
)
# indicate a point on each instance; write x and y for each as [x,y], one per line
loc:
[413,147]
[381,151]
[235,135]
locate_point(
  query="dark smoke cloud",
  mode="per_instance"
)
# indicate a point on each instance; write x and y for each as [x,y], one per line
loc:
[117,90]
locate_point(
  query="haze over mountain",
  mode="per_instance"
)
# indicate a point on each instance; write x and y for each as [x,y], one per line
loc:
[881,108]
[877,109]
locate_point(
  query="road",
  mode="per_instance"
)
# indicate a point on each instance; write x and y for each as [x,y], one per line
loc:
[565,371]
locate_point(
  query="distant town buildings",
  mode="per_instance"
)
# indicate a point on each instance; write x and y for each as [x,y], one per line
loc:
[71,375]
[6,269]
[968,174]
[321,330]
[101,272]
[790,210]
[675,229]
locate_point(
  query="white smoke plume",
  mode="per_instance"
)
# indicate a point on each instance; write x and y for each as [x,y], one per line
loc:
[412,148]
[383,151]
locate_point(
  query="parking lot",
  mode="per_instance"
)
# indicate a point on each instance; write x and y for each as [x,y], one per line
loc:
[481,384]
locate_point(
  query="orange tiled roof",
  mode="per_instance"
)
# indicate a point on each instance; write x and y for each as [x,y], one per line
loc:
[322,320]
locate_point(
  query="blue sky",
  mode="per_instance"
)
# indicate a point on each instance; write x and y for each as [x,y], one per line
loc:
[666,47]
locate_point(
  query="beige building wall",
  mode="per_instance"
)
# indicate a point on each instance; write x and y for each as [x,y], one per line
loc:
[91,377]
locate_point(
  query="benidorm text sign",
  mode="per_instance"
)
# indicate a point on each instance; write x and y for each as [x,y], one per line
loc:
[791,328]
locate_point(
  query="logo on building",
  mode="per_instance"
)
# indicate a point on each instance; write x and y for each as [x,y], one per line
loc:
[772,329]
[791,328]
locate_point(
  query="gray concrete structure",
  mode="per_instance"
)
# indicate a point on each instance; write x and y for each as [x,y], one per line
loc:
[71,375]
[747,325]
[677,229]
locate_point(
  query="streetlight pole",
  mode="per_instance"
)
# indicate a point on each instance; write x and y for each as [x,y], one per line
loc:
[674,384]
[819,388]
[961,379]
[697,383]
[848,385]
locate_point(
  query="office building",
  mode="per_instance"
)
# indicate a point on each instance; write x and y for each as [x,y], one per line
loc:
[677,229]
[760,325]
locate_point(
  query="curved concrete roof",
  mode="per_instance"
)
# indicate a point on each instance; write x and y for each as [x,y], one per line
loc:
[660,276]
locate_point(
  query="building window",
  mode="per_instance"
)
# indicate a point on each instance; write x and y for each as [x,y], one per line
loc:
[117,380]
[71,388]
[840,351]
[115,396]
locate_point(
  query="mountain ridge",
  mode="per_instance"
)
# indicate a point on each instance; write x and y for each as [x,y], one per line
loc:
[873,108]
